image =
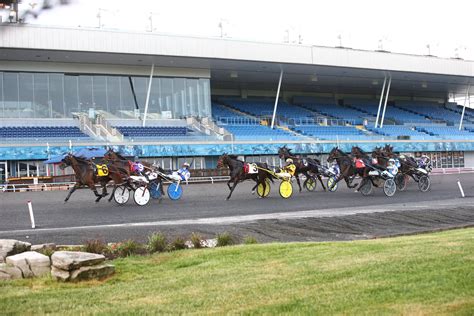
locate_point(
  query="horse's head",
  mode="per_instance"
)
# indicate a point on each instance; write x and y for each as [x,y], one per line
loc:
[333,154]
[223,160]
[283,152]
[66,162]
[110,154]
[356,151]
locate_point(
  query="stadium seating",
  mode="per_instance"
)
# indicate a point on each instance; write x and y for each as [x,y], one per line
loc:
[152,131]
[434,112]
[399,130]
[447,132]
[331,132]
[259,132]
[42,132]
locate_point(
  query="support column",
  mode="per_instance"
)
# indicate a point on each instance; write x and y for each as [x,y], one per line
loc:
[277,96]
[380,102]
[464,106]
[386,99]
[148,94]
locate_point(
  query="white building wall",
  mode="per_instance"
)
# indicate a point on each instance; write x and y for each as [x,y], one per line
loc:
[469,159]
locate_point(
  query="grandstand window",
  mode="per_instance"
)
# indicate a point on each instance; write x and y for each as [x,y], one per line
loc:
[141,87]
[42,105]
[155,93]
[11,94]
[85,93]
[167,94]
[71,94]
[2,115]
[56,95]
[128,103]
[99,93]
[179,97]
[114,101]
[26,96]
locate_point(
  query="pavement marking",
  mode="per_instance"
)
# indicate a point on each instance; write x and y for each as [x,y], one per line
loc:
[334,212]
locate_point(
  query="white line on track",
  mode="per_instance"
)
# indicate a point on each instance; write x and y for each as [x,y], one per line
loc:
[335,212]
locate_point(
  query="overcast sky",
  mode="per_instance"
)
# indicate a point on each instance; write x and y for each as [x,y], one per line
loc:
[398,26]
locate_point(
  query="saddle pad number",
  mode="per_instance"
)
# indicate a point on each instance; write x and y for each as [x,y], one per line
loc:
[252,168]
[102,170]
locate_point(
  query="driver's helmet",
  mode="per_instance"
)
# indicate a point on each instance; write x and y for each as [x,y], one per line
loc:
[334,163]
[391,162]
[138,167]
[186,165]
[289,160]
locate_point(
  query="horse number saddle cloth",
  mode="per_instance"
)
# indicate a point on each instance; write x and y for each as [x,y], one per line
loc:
[101,170]
[250,168]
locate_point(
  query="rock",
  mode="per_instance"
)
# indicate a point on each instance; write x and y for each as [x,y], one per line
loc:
[100,271]
[9,272]
[60,275]
[70,260]
[31,263]
[43,247]
[9,247]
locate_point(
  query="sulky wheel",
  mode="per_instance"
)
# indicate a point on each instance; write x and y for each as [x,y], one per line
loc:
[366,189]
[121,195]
[155,190]
[286,189]
[401,181]
[310,183]
[389,187]
[175,191]
[260,191]
[332,184]
[141,196]
[424,183]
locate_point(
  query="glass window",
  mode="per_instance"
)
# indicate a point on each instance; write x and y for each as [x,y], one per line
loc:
[10,94]
[128,102]
[27,108]
[166,95]
[85,93]
[56,95]
[205,94]
[42,104]
[71,94]
[155,93]
[99,86]
[179,98]
[192,96]
[1,96]
[114,99]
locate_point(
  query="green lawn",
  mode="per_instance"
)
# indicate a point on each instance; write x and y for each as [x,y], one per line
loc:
[423,275]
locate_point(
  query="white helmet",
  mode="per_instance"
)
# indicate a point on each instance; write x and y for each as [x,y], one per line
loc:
[289,160]
[185,164]
[391,161]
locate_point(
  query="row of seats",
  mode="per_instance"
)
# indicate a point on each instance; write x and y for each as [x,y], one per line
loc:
[152,131]
[399,130]
[260,132]
[42,132]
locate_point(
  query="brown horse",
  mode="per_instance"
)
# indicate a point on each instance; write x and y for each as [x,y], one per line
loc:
[346,166]
[86,175]
[304,166]
[238,174]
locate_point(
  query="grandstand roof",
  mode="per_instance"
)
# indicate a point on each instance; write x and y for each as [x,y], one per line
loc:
[242,64]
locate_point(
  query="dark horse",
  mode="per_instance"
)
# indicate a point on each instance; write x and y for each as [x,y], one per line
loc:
[238,174]
[86,175]
[303,166]
[346,166]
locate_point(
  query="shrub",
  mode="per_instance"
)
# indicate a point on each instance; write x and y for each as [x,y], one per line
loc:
[95,246]
[127,248]
[224,239]
[196,240]
[178,243]
[48,251]
[250,240]
[157,242]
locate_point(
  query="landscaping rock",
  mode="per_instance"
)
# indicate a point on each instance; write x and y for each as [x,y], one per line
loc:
[70,260]
[43,247]
[9,272]
[9,247]
[31,263]
[98,272]
[59,274]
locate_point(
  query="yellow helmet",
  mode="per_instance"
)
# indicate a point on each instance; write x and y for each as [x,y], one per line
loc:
[289,160]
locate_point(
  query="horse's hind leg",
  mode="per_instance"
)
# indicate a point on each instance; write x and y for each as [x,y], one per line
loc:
[99,196]
[71,191]
[298,180]
[321,181]
[232,190]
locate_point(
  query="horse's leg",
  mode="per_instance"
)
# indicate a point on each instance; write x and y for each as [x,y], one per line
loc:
[91,185]
[298,180]
[232,189]
[228,183]
[321,181]
[362,183]
[104,189]
[71,191]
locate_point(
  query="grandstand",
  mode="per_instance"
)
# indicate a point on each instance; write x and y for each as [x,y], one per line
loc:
[207,96]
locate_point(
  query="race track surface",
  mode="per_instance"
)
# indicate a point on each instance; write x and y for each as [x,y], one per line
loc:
[342,215]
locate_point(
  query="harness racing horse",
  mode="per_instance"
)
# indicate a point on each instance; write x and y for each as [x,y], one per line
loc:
[302,165]
[238,174]
[346,166]
[124,165]
[86,175]
[358,153]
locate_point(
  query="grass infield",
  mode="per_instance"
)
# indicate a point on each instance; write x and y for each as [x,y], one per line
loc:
[426,274]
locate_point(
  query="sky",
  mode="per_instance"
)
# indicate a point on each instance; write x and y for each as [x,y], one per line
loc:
[398,26]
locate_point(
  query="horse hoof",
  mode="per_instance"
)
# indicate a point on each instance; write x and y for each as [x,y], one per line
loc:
[105,194]
[253,192]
